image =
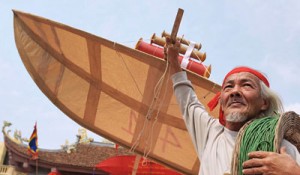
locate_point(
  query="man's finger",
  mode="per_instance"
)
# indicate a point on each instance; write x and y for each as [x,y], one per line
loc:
[256,170]
[258,154]
[252,163]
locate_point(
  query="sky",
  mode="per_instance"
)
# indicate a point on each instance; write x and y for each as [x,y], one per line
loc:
[264,35]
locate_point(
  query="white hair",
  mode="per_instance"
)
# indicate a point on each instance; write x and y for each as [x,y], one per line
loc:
[275,104]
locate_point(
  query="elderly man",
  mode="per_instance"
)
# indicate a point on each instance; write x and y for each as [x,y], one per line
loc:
[245,95]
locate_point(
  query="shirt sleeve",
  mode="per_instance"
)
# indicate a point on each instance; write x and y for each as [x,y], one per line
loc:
[196,118]
[291,150]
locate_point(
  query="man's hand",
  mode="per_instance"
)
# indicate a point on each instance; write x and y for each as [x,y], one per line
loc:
[172,52]
[270,163]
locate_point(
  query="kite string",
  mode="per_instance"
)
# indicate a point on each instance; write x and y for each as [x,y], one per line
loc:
[149,114]
[136,143]
[155,103]
[160,104]
[166,72]
[131,75]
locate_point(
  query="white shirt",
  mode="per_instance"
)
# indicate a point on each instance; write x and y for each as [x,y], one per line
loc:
[213,142]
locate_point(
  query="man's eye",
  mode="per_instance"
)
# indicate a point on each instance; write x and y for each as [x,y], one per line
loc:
[227,86]
[247,85]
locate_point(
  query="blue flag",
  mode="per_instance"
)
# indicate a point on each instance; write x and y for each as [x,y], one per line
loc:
[33,144]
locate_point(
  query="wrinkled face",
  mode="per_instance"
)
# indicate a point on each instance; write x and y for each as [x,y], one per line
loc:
[241,96]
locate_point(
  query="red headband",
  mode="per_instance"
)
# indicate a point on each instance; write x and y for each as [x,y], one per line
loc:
[214,102]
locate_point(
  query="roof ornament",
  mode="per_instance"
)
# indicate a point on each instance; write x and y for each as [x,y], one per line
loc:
[17,138]
[5,124]
[69,148]
[82,136]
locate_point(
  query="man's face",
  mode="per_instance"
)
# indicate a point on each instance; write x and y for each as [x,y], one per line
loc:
[241,96]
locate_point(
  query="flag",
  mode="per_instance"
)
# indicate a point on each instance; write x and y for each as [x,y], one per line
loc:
[33,144]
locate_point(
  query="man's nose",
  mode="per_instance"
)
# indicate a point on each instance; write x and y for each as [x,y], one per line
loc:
[236,92]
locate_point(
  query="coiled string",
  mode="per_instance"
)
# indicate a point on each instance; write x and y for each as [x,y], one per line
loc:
[258,136]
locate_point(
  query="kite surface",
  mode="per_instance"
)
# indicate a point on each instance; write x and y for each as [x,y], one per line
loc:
[110,88]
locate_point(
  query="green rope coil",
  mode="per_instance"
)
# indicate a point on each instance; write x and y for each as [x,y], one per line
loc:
[258,136]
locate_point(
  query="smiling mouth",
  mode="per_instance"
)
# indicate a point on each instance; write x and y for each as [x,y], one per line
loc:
[236,103]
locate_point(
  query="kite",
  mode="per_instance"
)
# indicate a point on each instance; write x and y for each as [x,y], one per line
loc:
[110,88]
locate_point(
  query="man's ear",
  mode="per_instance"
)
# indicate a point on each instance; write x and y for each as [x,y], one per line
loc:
[265,104]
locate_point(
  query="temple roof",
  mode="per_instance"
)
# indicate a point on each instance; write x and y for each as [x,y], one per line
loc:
[83,158]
